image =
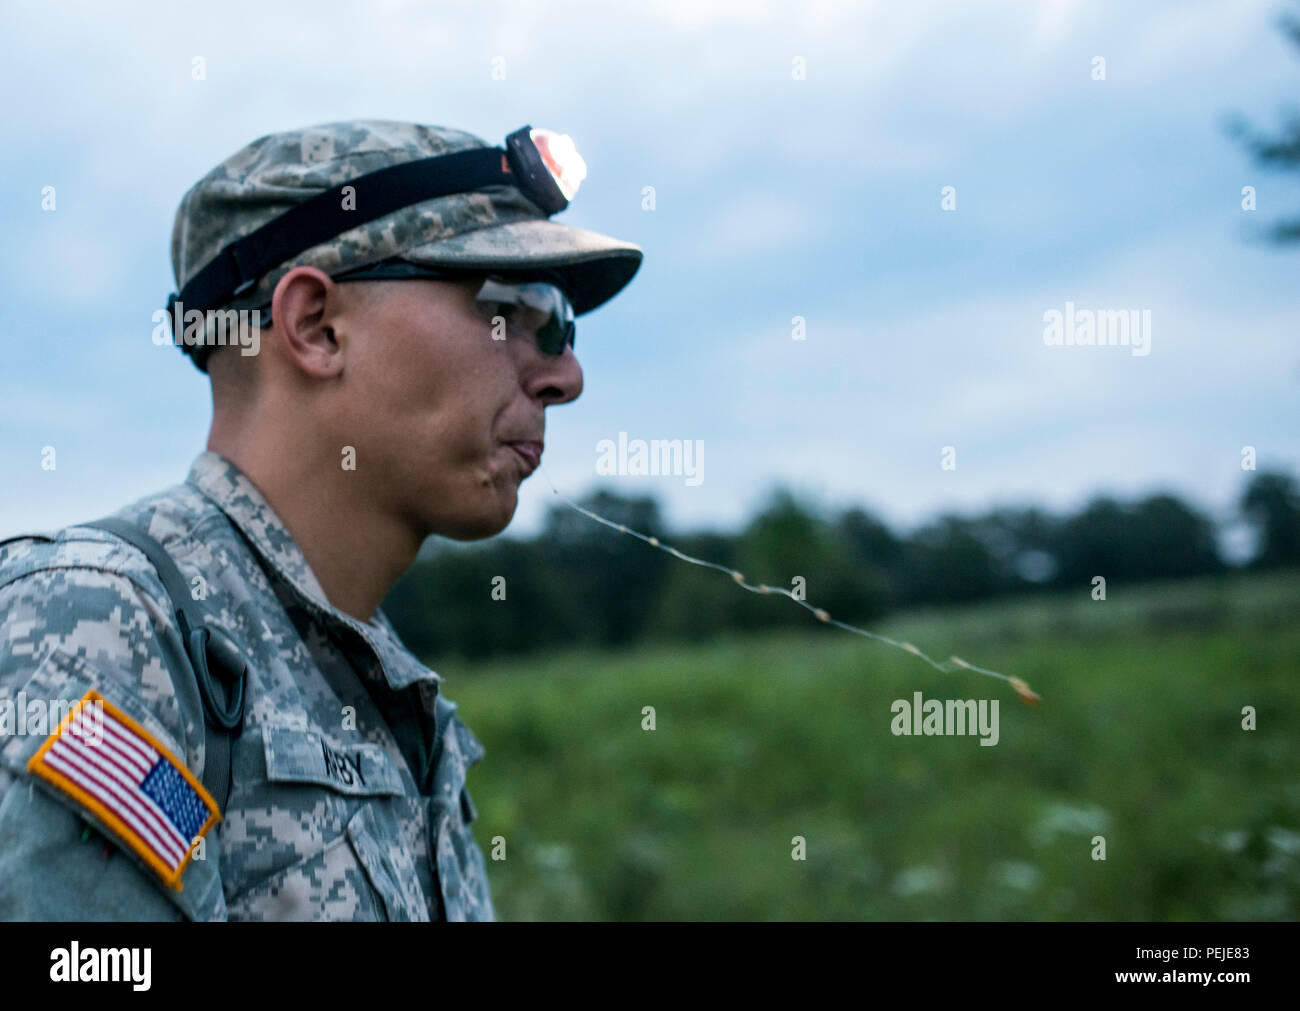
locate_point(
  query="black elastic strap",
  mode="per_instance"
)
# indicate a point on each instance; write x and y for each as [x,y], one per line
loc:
[207,656]
[217,757]
[173,582]
[241,263]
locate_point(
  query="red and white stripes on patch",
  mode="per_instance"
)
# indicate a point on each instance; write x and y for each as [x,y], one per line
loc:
[110,762]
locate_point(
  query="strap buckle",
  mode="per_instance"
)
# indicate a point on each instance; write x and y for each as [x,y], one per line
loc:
[211,652]
[245,282]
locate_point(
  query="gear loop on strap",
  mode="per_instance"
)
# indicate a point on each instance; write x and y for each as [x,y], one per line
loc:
[210,652]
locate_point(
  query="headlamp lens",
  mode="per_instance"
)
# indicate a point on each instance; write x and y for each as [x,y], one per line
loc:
[561,159]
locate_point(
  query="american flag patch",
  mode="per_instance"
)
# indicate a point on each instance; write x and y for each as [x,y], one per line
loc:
[107,762]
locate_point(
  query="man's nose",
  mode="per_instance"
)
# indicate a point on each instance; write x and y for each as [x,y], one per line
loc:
[555,379]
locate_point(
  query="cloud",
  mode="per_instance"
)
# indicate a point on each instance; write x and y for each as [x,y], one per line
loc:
[776,198]
[757,223]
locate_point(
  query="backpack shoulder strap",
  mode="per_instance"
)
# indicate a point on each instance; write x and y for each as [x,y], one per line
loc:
[215,662]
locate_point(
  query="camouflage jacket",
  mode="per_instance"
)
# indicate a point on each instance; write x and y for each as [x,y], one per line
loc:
[348,798]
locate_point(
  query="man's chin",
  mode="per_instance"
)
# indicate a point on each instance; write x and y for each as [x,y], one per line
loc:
[478,526]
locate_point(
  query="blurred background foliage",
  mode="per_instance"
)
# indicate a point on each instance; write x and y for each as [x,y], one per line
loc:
[582,584]
[769,725]
[764,736]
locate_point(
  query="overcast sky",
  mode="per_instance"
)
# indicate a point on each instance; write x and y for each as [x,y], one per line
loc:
[775,197]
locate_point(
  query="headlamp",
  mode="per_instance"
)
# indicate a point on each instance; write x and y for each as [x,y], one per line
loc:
[549,166]
[543,165]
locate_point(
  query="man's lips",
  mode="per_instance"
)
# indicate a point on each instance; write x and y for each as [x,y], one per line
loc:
[529,452]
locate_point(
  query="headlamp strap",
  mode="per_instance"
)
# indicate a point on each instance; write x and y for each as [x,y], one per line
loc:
[240,264]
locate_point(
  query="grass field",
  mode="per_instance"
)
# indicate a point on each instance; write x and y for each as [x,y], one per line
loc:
[1139,739]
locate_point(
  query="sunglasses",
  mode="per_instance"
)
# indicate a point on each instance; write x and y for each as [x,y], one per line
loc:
[532,302]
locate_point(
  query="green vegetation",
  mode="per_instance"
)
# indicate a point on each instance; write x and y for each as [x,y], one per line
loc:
[579,584]
[769,735]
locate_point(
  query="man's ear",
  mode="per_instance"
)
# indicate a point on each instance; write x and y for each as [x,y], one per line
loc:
[302,309]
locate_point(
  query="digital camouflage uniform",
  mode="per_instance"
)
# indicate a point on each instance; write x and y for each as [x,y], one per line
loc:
[348,797]
[374,831]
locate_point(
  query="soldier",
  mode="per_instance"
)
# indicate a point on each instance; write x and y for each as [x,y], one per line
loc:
[204,713]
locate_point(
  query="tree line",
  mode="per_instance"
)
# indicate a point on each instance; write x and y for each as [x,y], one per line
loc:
[581,583]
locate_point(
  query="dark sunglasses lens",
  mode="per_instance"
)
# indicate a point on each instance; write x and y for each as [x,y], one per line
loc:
[542,301]
[558,329]
[553,335]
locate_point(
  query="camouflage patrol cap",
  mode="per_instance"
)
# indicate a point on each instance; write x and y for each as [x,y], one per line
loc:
[495,227]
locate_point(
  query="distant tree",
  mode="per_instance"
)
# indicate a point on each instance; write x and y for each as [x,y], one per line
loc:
[1157,538]
[877,557]
[785,539]
[1280,151]
[1271,504]
[697,602]
[948,563]
[870,540]
[608,580]
[1023,543]
[1172,540]
[1095,542]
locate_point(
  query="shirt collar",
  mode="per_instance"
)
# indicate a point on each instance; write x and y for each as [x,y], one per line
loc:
[232,491]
